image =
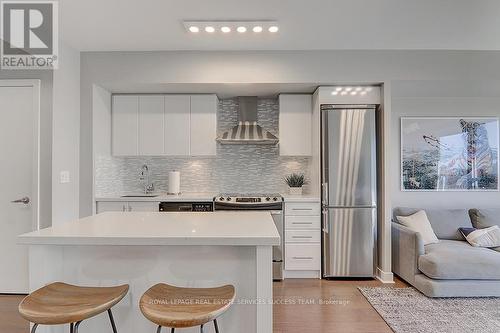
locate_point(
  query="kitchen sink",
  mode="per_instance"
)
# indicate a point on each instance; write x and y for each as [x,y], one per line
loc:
[140,196]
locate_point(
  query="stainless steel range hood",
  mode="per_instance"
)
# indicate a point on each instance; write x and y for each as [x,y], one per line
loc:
[247,131]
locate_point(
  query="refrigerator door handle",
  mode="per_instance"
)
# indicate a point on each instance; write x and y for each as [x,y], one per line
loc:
[325,194]
[326,223]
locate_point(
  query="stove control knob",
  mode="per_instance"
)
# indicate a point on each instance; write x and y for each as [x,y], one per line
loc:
[221,199]
[268,199]
[228,199]
[275,199]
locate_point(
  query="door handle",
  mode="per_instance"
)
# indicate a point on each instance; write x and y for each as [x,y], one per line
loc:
[24,200]
[326,222]
[325,193]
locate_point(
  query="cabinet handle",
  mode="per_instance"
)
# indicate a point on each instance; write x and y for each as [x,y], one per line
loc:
[303,258]
[302,223]
[302,209]
[301,236]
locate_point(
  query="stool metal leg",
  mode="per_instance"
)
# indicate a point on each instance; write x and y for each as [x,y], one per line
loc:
[77,324]
[201,328]
[173,330]
[158,330]
[110,314]
[71,328]
[216,326]
[34,328]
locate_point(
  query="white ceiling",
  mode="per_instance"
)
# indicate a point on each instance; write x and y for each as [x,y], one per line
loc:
[138,25]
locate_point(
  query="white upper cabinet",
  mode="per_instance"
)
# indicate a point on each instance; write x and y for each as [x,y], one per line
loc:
[125,125]
[177,125]
[151,125]
[203,125]
[157,125]
[295,123]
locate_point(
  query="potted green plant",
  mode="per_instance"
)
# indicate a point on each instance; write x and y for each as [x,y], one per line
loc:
[295,181]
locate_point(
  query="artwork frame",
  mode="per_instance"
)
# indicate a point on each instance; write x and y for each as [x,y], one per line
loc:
[444,160]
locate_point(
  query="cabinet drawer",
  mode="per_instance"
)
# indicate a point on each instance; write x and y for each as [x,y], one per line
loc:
[302,222]
[111,206]
[303,257]
[302,236]
[302,208]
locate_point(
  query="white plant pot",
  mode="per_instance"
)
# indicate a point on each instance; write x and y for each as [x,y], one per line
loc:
[295,190]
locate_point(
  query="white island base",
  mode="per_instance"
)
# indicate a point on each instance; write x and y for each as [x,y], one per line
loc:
[200,262]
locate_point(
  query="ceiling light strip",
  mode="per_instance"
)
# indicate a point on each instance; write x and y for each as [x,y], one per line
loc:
[226,27]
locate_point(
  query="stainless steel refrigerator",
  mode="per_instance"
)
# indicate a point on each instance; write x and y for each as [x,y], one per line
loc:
[349,190]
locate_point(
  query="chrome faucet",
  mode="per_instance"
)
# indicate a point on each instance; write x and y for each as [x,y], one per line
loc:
[148,187]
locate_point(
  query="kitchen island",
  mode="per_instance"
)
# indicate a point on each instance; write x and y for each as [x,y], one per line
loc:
[143,248]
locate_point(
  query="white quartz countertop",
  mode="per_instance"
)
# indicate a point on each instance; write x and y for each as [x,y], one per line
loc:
[188,196]
[159,228]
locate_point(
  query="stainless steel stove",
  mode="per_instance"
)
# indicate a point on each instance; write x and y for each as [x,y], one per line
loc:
[249,201]
[263,202]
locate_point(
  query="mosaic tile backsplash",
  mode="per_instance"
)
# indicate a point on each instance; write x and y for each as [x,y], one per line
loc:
[236,168]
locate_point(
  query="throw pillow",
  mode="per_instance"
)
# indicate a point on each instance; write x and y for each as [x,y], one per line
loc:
[419,222]
[484,218]
[487,237]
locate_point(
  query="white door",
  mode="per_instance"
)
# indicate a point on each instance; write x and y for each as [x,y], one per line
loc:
[19,107]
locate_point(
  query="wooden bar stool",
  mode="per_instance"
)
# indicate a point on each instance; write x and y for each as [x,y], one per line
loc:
[60,303]
[175,307]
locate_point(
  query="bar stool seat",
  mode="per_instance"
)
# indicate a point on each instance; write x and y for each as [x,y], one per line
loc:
[177,307]
[61,303]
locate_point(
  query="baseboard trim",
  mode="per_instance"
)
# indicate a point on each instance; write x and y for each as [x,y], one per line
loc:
[301,275]
[384,277]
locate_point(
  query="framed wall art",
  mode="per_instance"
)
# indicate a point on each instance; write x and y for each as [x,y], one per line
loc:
[449,154]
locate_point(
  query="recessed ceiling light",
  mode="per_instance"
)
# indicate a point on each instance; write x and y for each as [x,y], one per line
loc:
[359,88]
[362,93]
[226,26]
[343,93]
[338,89]
[354,93]
[335,93]
[348,89]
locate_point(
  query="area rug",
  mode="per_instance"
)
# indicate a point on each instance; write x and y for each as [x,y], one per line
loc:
[406,310]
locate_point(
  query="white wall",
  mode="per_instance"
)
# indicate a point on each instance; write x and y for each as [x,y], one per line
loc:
[101,130]
[66,135]
[446,99]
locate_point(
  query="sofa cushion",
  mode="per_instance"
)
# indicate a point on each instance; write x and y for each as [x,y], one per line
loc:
[419,222]
[445,222]
[487,237]
[484,218]
[458,260]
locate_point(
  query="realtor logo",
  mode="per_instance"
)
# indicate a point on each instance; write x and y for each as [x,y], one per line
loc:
[29,34]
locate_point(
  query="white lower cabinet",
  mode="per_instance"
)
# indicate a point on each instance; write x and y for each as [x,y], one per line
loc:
[302,240]
[124,206]
[302,257]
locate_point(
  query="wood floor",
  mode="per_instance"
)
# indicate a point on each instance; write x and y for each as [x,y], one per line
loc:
[297,308]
